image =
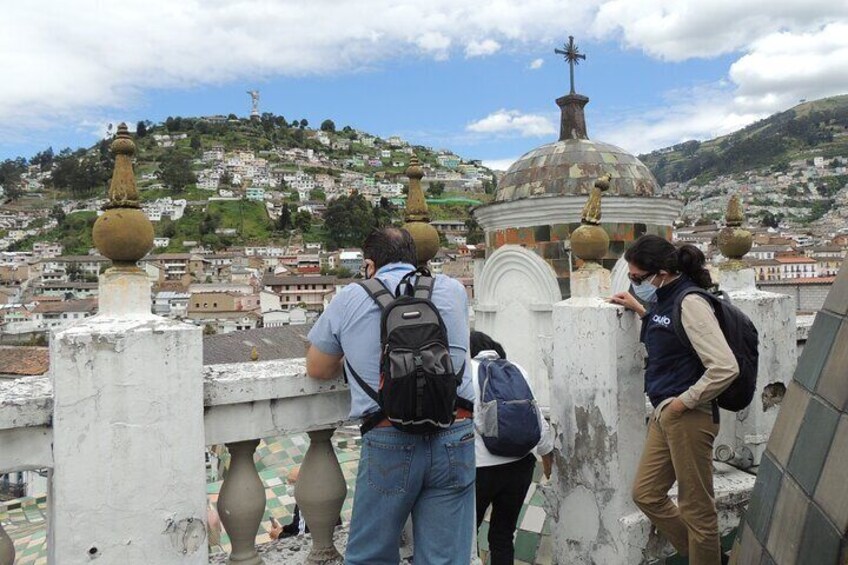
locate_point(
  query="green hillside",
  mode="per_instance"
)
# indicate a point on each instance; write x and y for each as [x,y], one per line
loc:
[170,162]
[819,127]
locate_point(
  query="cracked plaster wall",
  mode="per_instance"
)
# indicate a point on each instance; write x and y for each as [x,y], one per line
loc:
[129,475]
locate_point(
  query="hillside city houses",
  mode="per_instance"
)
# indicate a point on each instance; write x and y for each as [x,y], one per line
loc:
[269,285]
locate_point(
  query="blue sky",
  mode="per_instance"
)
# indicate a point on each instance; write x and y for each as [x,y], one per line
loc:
[476,77]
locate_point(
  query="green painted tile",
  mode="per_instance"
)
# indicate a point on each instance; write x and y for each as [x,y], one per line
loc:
[526,544]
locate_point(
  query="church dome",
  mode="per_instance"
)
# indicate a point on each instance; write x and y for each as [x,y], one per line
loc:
[570,166]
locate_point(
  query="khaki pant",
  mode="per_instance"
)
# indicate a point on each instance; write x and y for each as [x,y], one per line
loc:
[680,446]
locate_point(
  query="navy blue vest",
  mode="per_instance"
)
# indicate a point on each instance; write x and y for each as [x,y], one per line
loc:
[672,367]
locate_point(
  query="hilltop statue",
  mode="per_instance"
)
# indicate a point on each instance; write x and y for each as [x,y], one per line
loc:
[254,98]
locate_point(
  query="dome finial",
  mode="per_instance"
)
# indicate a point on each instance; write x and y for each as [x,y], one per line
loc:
[123,233]
[417,215]
[590,241]
[733,241]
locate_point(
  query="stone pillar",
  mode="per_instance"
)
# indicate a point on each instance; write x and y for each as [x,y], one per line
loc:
[320,493]
[241,504]
[744,435]
[599,418]
[600,430]
[129,478]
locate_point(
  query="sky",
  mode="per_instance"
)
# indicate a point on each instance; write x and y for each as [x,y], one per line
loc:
[479,77]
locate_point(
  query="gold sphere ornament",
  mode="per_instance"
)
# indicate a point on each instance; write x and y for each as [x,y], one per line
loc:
[123,233]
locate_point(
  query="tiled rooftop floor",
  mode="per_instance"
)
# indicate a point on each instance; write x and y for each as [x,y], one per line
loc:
[26,524]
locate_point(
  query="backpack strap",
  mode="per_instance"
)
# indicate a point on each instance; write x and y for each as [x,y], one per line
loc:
[378,292]
[423,287]
[680,331]
[677,312]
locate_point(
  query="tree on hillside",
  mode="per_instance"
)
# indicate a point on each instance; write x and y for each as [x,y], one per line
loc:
[348,220]
[489,186]
[173,124]
[328,125]
[167,228]
[58,214]
[474,233]
[304,123]
[44,159]
[10,176]
[436,189]
[140,129]
[303,221]
[317,194]
[196,145]
[284,222]
[226,179]
[175,170]
[80,176]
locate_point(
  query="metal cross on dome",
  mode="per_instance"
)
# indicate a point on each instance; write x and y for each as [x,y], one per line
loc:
[571,53]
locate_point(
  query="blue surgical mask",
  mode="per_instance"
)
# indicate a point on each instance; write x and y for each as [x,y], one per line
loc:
[645,291]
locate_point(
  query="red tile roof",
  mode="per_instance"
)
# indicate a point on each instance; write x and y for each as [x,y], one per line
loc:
[24,361]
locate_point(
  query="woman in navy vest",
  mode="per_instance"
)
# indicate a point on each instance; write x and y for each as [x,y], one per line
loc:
[681,383]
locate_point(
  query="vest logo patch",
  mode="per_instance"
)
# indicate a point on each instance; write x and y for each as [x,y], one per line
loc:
[664,321]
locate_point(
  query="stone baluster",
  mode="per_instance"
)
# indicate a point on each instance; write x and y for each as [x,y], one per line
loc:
[320,493]
[241,503]
[7,548]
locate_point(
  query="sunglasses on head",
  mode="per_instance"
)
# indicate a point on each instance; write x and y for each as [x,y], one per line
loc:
[639,279]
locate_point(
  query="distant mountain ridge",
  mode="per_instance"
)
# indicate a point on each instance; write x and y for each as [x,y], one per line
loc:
[817,128]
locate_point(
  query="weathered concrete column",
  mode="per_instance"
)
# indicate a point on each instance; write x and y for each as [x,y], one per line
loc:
[128,483]
[320,493]
[129,476]
[600,427]
[743,435]
[241,503]
[599,419]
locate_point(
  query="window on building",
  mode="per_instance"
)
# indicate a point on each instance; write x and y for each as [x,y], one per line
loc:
[298,298]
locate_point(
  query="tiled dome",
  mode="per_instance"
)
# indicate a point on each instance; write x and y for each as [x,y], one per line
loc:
[570,166]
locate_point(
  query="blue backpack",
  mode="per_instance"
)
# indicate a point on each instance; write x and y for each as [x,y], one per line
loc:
[509,418]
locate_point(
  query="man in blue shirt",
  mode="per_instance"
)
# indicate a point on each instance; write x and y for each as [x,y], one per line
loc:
[430,476]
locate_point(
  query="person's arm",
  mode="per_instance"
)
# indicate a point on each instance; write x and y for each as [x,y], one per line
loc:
[628,301]
[545,448]
[704,333]
[320,365]
[324,356]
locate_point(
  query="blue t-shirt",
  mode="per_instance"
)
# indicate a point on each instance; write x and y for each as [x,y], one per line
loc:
[350,326]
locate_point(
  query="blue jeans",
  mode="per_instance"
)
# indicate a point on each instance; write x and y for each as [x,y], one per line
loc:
[431,476]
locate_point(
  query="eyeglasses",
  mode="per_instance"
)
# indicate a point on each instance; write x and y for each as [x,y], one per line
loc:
[639,279]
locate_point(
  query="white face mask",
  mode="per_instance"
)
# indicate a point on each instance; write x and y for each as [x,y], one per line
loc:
[645,291]
[290,490]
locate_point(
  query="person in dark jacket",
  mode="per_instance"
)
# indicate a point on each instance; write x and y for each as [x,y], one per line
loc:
[681,383]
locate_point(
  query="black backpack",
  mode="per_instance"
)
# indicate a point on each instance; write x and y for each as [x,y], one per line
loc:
[418,386]
[741,336]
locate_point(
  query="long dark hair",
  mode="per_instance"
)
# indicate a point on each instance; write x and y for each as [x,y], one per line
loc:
[653,254]
[482,342]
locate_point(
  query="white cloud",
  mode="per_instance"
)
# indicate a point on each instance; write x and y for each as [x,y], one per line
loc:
[70,62]
[505,122]
[499,164]
[85,58]
[536,64]
[776,72]
[482,48]
[681,29]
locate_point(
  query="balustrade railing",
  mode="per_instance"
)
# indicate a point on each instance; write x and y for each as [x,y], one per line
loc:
[243,402]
